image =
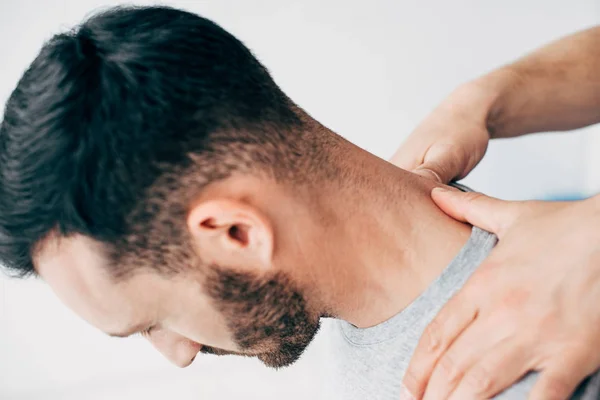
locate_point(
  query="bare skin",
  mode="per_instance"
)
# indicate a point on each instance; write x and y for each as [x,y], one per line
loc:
[552,324]
[349,248]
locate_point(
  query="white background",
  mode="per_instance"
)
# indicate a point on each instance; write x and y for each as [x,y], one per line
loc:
[370,70]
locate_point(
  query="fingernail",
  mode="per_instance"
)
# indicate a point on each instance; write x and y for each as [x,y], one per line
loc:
[405,394]
[440,190]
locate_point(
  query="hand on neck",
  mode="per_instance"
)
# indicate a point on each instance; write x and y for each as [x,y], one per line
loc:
[362,243]
[388,243]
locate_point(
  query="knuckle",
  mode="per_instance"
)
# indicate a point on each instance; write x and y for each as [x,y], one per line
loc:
[410,379]
[412,382]
[479,381]
[433,336]
[450,369]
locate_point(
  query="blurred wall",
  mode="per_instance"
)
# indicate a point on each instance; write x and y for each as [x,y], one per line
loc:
[368,70]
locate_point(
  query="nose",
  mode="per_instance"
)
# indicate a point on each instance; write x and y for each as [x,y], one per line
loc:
[178,349]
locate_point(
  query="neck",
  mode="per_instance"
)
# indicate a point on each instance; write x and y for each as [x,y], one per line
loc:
[388,241]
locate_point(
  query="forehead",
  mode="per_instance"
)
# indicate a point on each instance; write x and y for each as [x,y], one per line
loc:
[77,270]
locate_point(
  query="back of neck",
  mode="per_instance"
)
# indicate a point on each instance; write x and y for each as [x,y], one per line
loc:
[391,241]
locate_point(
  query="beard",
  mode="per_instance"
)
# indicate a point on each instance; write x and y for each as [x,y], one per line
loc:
[267,315]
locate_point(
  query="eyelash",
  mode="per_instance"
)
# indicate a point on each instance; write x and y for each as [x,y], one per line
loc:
[147,331]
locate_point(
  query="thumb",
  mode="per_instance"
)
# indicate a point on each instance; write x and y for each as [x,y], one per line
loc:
[429,172]
[485,212]
[442,163]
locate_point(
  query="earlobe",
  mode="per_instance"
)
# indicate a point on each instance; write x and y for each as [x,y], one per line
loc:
[231,232]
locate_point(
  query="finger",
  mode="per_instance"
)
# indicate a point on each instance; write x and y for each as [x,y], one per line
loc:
[411,153]
[559,381]
[485,212]
[453,319]
[477,340]
[405,394]
[443,162]
[498,369]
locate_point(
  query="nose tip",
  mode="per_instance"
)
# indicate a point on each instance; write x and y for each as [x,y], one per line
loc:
[184,362]
[185,359]
[178,349]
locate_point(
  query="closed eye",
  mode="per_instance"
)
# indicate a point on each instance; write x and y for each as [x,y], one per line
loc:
[146,332]
[136,330]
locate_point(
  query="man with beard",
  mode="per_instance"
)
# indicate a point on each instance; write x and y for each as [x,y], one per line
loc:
[155,176]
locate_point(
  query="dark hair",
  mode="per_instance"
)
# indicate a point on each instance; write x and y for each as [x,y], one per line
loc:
[102,131]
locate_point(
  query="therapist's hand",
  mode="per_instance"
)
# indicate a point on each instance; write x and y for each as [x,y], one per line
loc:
[534,304]
[452,140]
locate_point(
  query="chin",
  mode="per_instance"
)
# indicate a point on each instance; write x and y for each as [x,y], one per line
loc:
[274,359]
[287,354]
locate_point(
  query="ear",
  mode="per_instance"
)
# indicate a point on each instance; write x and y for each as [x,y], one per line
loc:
[231,233]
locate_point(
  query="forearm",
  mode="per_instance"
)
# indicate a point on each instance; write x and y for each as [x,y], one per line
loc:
[554,88]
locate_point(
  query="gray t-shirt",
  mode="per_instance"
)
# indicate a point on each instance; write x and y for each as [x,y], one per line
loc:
[368,364]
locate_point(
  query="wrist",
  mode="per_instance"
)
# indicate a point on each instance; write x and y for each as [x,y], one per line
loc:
[495,89]
[476,99]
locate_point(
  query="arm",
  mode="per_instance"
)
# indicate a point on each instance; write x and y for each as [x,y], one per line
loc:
[533,304]
[555,88]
